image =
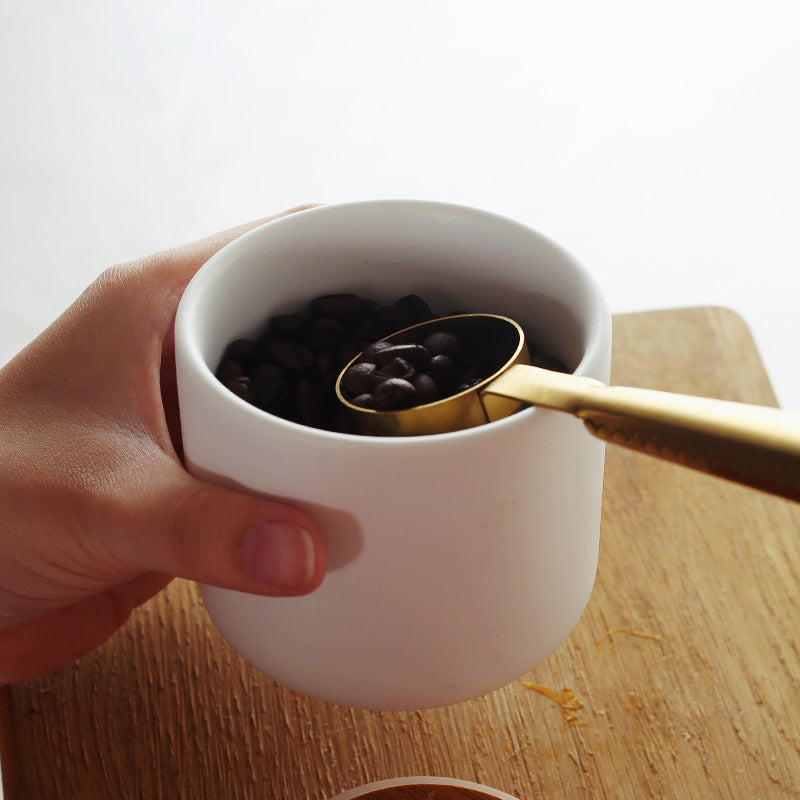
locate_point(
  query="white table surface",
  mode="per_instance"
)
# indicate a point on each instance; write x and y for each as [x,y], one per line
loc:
[659,143]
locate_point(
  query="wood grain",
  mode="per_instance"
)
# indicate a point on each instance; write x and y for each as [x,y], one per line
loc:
[705,707]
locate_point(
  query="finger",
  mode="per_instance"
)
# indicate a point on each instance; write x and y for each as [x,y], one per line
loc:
[235,540]
[64,635]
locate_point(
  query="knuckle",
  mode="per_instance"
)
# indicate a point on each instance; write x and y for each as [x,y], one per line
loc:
[194,540]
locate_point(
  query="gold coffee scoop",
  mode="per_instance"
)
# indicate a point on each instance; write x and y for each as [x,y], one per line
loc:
[753,445]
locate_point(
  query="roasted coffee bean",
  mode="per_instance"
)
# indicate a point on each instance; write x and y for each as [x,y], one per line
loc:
[415,354]
[398,368]
[292,356]
[442,343]
[262,345]
[371,352]
[327,335]
[442,370]
[411,309]
[269,386]
[242,350]
[291,325]
[228,369]
[340,306]
[308,405]
[387,320]
[365,400]
[326,371]
[427,390]
[365,328]
[241,387]
[360,379]
[394,393]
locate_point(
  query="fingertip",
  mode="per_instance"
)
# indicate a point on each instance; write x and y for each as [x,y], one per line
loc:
[238,541]
[282,556]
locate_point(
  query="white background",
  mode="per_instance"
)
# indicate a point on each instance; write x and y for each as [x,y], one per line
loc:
[658,143]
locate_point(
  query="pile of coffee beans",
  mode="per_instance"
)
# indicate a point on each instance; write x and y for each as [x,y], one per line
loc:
[291,369]
[389,377]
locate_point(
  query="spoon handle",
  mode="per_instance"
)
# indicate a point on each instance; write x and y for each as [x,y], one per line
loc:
[753,445]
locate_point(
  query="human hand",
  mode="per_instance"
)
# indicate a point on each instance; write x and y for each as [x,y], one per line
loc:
[97,512]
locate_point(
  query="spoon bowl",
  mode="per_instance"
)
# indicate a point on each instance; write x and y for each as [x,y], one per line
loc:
[465,409]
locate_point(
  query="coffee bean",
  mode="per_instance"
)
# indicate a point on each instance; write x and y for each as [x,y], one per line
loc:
[229,369]
[394,393]
[308,405]
[242,350]
[326,371]
[411,309]
[387,320]
[365,400]
[415,354]
[365,328]
[241,387]
[442,370]
[442,343]
[340,306]
[451,367]
[327,335]
[371,352]
[292,356]
[360,379]
[398,368]
[291,325]
[269,387]
[427,390]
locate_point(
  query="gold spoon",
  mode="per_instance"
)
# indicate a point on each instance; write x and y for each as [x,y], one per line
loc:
[753,445]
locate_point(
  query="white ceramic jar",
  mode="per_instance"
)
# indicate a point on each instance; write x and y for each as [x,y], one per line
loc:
[457,561]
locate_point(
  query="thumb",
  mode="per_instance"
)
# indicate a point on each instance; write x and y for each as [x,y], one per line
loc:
[237,541]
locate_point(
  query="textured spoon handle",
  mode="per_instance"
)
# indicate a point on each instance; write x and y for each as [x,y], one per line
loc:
[752,445]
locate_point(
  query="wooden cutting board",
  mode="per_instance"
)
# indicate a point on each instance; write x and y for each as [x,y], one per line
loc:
[682,678]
